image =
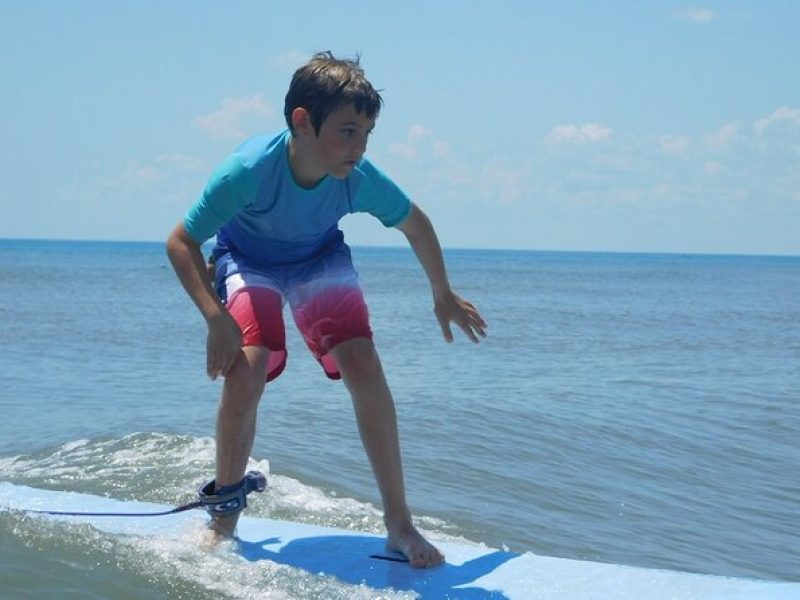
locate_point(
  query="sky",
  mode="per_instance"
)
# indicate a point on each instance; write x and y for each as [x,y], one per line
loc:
[637,126]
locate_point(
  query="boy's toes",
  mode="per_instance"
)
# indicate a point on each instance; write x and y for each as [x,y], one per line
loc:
[420,553]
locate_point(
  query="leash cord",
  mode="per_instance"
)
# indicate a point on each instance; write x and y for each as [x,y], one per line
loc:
[60,513]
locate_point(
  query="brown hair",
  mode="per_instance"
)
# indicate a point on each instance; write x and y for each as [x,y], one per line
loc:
[325,83]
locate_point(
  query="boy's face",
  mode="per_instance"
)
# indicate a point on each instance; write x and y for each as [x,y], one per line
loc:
[341,142]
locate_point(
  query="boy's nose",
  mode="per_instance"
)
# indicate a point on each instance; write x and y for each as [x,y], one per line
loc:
[361,145]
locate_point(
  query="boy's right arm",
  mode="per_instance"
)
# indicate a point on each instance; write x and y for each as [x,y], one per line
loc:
[224,336]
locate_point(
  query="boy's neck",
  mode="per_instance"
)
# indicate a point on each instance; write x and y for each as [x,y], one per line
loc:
[304,172]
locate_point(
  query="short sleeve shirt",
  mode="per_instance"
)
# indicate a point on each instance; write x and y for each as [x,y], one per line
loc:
[263,218]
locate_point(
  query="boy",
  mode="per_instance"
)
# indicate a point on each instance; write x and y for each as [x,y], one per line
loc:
[275,205]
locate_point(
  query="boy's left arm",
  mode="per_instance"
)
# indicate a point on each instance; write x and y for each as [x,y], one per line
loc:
[448,306]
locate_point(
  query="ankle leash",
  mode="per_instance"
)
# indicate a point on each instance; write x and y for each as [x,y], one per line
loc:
[230,499]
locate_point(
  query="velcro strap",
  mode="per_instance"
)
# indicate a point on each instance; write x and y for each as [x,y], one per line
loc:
[226,501]
[230,499]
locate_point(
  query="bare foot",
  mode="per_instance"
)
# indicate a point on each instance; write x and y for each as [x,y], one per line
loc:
[220,529]
[409,542]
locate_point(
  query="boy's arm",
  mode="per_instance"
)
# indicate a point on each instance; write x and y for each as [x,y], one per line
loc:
[447,305]
[224,335]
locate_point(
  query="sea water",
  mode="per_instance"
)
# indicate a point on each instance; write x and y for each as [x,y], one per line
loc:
[626,408]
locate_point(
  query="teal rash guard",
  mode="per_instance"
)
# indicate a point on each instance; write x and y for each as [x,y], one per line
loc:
[263,219]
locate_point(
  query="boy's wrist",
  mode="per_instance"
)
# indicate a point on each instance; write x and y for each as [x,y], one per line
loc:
[441,291]
[215,315]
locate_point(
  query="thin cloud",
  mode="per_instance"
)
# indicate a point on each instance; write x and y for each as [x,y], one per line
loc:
[291,59]
[674,144]
[723,137]
[419,140]
[403,150]
[505,183]
[783,114]
[590,132]
[696,15]
[230,120]
[183,162]
[133,176]
[418,132]
[169,179]
[442,149]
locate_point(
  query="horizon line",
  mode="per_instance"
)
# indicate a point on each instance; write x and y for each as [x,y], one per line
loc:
[444,248]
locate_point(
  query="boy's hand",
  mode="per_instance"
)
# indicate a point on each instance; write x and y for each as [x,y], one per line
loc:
[223,346]
[450,307]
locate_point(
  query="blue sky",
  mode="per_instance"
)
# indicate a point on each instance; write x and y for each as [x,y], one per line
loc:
[624,126]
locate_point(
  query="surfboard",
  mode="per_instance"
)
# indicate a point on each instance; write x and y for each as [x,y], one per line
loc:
[472,570]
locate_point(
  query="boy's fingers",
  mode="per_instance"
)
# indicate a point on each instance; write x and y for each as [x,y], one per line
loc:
[476,317]
[475,322]
[471,335]
[226,368]
[220,365]
[467,329]
[446,331]
[468,319]
[213,366]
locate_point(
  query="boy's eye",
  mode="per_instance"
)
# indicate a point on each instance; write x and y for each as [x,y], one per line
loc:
[350,132]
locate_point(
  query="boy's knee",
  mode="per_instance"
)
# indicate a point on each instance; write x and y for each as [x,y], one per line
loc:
[247,388]
[245,383]
[357,359]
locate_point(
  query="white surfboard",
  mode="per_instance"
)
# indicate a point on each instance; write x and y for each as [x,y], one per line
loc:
[472,571]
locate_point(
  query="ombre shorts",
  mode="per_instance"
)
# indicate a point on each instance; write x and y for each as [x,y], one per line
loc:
[325,299]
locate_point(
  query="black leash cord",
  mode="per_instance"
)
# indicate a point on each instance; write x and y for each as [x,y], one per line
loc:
[60,513]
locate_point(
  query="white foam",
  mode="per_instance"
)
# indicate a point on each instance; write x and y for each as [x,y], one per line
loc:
[167,468]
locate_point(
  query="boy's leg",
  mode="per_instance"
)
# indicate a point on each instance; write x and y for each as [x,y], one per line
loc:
[236,423]
[329,309]
[257,311]
[362,373]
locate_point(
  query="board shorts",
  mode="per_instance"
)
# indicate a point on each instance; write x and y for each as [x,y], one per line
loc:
[325,299]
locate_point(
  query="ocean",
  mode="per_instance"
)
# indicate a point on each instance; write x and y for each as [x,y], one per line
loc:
[638,409]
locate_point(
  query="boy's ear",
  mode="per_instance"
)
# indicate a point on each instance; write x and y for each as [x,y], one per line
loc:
[301,120]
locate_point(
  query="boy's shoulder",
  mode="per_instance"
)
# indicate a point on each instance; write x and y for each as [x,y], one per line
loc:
[260,148]
[243,170]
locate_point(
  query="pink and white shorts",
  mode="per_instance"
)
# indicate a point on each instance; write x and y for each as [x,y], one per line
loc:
[325,299]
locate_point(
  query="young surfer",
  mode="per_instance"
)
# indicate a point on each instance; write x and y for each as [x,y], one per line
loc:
[274,205]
